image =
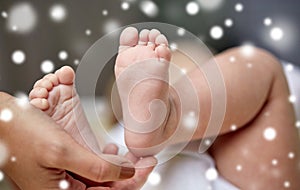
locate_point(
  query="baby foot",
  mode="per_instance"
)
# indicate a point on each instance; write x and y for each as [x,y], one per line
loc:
[55,95]
[142,78]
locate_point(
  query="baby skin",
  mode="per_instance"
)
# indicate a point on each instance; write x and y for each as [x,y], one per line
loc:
[55,95]
[257,104]
[257,101]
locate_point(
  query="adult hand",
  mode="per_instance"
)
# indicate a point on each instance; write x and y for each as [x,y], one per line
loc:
[44,152]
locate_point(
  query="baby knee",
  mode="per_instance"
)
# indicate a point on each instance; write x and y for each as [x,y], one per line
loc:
[259,56]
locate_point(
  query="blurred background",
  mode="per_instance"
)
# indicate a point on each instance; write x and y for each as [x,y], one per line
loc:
[37,37]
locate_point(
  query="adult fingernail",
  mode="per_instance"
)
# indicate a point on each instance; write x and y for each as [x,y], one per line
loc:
[127,170]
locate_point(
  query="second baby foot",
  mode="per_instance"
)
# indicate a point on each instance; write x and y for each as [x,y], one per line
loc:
[55,95]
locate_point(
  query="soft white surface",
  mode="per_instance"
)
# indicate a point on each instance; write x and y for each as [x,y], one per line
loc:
[186,171]
[293,78]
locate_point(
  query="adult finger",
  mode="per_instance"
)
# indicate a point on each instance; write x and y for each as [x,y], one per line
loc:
[143,168]
[111,149]
[72,157]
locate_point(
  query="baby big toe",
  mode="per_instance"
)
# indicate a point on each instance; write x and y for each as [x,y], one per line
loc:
[128,38]
[65,75]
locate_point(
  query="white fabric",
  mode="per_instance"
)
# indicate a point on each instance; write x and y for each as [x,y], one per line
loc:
[186,171]
[293,78]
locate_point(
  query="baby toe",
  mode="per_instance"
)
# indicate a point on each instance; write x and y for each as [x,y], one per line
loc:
[53,78]
[161,40]
[128,38]
[38,92]
[65,75]
[163,52]
[40,103]
[44,83]
[152,36]
[144,37]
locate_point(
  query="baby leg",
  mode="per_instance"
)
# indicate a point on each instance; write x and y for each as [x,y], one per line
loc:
[264,150]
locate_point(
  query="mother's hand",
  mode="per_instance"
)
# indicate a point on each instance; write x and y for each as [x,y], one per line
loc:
[44,152]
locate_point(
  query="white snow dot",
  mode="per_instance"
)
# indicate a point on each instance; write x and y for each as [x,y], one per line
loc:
[274,162]
[64,184]
[239,7]
[297,124]
[228,22]
[22,98]
[181,31]
[287,184]
[211,174]
[190,120]
[276,34]
[267,21]
[292,98]
[1,176]
[184,71]
[14,28]
[111,25]
[207,142]
[247,50]
[4,14]
[58,13]
[104,12]
[22,18]
[291,155]
[3,154]
[154,179]
[63,55]
[6,115]
[21,95]
[173,46]
[13,159]
[88,32]
[18,57]
[233,127]
[270,133]
[289,67]
[47,66]
[149,8]
[76,61]
[210,5]
[239,168]
[216,32]
[232,59]
[192,8]
[125,6]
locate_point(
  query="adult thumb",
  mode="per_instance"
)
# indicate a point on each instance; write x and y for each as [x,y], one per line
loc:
[100,168]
